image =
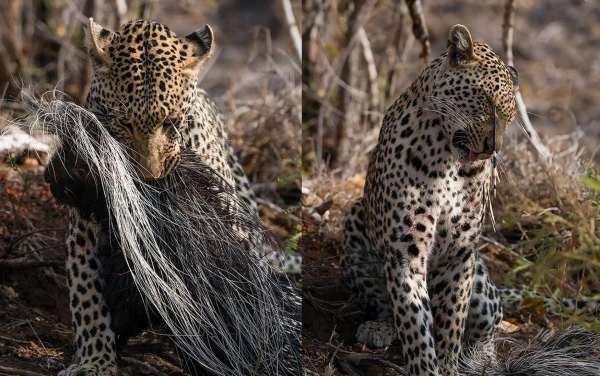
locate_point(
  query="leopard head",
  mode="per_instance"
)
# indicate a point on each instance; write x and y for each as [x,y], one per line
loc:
[143,84]
[476,93]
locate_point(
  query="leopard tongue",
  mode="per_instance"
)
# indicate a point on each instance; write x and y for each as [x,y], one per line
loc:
[472,156]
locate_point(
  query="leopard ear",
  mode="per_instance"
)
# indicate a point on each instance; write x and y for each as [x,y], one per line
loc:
[460,46]
[97,39]
[200,45]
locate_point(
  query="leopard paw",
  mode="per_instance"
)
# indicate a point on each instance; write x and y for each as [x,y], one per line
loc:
[376,334]
[89,369]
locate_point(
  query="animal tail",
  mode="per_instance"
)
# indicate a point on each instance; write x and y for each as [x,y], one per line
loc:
[570,352]
[514,299]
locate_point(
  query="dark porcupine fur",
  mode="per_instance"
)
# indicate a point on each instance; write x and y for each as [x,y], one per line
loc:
[569,352]
[197,197]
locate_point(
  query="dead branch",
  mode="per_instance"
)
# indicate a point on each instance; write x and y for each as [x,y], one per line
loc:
[508,30]
[397,51]
[420,32]
[10,339]
[146,9]
[374,109]
[14,243]
[13,62]
[18,372]
[313,22]
[382,359]
[349,60]
[507,43]
[25,263]
[120,11]
[88,10]
[292,27]
[142,364]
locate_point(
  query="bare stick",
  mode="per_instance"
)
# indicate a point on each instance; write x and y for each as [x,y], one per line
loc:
[24,236]
[142,364]
[371,74]
[25,263]
[292,27]
[348,75]
[507,43]
[19,372]
[5,338]
[508,30]
[420,27]
[146,9]
[397,51]
[120,11]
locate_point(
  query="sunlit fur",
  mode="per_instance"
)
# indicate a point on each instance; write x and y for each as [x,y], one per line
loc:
[227,311]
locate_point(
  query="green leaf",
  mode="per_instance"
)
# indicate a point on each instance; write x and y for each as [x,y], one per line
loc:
[590,182]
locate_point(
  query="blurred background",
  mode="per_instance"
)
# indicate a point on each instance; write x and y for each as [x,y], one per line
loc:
[254,76]
[556,44]
[358,57]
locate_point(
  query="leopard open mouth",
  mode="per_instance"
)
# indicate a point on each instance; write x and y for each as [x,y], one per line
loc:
[459,141]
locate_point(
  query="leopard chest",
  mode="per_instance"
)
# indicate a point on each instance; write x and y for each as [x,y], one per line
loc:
[460,200]
[413,172]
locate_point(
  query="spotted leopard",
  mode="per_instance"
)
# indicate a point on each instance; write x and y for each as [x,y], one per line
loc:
[144,91]
[411,259]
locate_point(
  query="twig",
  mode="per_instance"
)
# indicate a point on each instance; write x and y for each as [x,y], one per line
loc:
[348,59]
[146,9]
[381,358]
[25,263]
[158,349]
[120,11]
[347,368]
[508,30]
[19,372]
[397,51]
[420,32]
[292,27]
[145,365]
[21,341]
[371,74]
[507,43]
[278,209]
[16,242]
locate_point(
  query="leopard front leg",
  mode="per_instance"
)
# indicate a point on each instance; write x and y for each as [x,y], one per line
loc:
[450,284]
[95,352]
[406,254]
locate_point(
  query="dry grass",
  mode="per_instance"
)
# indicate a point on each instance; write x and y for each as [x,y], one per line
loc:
[548,219]
[265,126]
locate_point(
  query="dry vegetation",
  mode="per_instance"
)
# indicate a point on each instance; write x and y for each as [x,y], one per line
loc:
[254,77]
[546,236]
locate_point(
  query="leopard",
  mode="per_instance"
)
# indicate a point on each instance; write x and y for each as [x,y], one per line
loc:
[411,259]
[144,91]
[410,241]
